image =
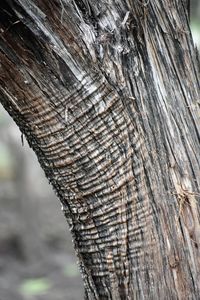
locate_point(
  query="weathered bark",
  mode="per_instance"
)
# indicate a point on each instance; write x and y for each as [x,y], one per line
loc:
[107,95]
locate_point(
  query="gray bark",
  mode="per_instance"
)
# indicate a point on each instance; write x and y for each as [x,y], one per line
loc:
[107,95]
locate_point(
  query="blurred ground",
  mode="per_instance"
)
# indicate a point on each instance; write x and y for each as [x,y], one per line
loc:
[37,260]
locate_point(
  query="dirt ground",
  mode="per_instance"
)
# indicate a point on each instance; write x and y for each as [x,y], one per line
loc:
[42,267]
[14,273]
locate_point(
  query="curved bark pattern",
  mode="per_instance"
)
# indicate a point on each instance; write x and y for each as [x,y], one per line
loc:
[107,95]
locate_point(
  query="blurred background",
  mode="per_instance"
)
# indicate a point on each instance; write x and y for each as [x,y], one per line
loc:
[37,260]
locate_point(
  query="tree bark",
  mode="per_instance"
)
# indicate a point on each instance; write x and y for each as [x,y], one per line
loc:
[107,95]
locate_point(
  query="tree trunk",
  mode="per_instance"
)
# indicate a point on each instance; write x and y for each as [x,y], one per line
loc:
[107,95]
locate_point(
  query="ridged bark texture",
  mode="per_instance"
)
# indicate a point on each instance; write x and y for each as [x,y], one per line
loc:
[107,95]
